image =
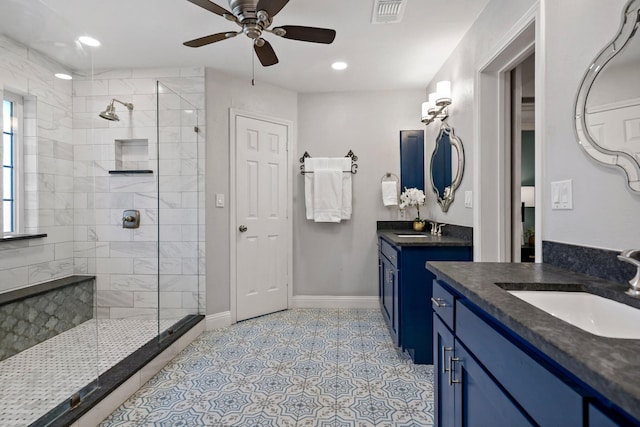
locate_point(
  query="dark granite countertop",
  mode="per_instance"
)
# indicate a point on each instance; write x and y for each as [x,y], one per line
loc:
[610,366]
[426,239]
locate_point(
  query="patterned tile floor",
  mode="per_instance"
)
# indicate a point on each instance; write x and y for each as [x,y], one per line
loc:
[39,378]
[303,367]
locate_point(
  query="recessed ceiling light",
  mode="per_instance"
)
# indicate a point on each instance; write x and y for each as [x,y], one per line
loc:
[63,76]
[89,41]
[339,65]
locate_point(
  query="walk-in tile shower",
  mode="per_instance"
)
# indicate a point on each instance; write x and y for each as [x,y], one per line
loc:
[80,289]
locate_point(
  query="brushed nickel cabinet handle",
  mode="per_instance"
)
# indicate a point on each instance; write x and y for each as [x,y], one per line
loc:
[439,302]
[452,371]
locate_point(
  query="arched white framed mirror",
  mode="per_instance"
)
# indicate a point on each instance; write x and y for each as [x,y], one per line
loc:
[607,109]
[447,166]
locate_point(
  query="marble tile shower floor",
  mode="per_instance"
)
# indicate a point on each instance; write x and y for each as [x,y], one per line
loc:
[39,378]
[302,367]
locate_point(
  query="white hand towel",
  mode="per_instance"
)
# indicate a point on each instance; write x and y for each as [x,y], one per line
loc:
[389,193]
[327,195]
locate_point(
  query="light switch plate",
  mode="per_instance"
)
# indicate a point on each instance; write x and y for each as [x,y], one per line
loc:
[468,199]
[219,200]
[562,195]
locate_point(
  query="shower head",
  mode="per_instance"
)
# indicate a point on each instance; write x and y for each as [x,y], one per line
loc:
[110,112]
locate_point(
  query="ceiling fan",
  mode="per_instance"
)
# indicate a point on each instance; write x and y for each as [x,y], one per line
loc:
[255,17]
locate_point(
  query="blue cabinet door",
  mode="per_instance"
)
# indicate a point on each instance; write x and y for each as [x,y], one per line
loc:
[479,401]
[389,296]
[444,393]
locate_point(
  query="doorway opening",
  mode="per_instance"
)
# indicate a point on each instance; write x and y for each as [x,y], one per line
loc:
[498,225]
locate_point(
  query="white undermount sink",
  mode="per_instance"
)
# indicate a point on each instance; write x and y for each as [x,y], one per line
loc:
[591,313]
[415,236]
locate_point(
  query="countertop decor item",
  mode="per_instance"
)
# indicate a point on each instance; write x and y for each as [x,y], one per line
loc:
[413,197]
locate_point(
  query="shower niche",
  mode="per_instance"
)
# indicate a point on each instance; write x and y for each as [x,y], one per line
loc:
[131,156]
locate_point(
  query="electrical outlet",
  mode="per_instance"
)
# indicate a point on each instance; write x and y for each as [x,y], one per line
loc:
[402,214]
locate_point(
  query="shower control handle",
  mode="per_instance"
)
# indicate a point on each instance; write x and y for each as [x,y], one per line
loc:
[131,218]
[242,228]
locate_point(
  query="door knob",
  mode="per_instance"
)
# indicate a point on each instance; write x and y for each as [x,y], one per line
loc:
[242,228]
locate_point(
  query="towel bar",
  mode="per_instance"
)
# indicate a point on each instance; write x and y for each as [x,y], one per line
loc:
[354,165]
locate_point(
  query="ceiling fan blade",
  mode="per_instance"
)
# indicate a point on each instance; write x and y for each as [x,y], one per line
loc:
[211,7]
[202,41]
[272,7]
[266,54]
[307,34]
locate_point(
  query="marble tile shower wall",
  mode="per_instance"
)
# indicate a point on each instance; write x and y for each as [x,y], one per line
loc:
[125,261]
[48,165]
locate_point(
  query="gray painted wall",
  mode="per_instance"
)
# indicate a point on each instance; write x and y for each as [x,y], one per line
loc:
[605,213]
[222,93]
[460,68]
[341,259]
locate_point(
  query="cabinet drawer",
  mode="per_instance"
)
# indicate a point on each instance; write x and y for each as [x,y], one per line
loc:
[545,397]
[443,303]
[389,251]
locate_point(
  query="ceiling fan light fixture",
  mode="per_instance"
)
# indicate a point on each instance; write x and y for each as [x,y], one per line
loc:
[339,65]
[255,17]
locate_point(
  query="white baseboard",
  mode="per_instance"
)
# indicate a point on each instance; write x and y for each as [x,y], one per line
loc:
[313,301]
[218,320]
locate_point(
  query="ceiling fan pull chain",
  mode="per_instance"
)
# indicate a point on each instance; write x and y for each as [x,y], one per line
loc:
[253,69]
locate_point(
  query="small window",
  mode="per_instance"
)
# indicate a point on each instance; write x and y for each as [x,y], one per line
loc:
[11,150]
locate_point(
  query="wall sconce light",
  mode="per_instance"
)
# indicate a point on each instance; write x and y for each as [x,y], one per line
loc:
[436,106]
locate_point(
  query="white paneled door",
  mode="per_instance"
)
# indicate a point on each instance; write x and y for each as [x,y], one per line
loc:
[261,217]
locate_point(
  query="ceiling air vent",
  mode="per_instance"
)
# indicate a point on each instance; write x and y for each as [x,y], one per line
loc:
[387,11]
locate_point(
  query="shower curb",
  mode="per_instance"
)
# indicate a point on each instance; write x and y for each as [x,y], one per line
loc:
[123,379]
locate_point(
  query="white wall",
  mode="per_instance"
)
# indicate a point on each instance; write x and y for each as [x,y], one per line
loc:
[341,259]
[605,213]
[222,93]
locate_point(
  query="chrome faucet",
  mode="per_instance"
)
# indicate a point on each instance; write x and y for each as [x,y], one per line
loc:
[627,256]
[434,227]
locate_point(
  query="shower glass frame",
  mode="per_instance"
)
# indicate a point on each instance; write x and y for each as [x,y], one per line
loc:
[180,230]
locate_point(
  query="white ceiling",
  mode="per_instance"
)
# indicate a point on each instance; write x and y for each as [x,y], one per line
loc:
[150,33]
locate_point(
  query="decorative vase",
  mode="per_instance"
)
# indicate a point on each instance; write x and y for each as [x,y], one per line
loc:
[418,225]
[532,239]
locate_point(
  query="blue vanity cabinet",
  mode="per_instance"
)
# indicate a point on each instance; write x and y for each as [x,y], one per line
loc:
[482,375]
[406,291]
[466,394]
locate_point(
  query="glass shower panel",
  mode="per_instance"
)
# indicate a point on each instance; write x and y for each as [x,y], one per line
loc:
[49,333]
[180,194]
